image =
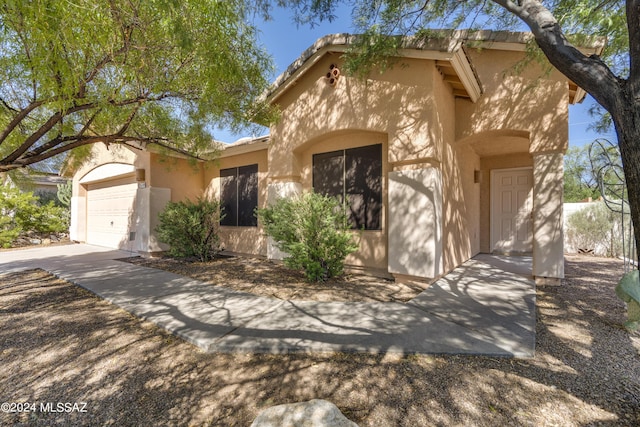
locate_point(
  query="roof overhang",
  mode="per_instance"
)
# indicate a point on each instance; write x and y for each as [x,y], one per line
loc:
[243,146]
[448,53]
[108,171]
[517,42]
[446,47]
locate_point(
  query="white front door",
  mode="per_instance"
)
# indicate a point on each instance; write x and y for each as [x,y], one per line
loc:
[511,210]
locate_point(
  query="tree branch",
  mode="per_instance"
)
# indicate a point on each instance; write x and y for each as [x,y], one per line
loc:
[19,27]
[107,59]
[8,107]
[127,122]
[28,160]
[55,118]
[46,127]
[91,119]
[61,139]
[17,119]
[588,72]
[74,142]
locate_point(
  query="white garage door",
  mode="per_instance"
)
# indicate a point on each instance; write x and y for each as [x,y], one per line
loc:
[110,209]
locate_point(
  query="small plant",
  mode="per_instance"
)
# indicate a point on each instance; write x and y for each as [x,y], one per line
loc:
[314,231]
[596,227]
[191,228]
[21,212]
[64,194]
[628,290]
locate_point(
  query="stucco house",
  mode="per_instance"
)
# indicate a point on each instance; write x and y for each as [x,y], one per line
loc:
[40,183]
[450,153]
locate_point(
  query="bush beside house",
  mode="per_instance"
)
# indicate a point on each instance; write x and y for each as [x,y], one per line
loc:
[24,217]
[191,228]
[314,231]
[594,228]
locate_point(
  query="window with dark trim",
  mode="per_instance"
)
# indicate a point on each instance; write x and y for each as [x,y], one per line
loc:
[239,196]
[354,174]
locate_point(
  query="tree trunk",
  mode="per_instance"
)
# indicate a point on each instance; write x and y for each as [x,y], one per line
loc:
[620,97]
[626,117]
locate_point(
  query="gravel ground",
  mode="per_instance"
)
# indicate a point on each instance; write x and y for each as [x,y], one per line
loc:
[58,344]
[272,279]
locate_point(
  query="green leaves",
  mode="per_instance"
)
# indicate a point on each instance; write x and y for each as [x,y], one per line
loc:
[191,228]
[581,20]
[580,181]
[151,72]
[628,290]
[21,212]
[314,231]
[597,227]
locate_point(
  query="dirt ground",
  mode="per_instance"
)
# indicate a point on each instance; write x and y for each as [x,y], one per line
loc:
[272,279]
[60,344]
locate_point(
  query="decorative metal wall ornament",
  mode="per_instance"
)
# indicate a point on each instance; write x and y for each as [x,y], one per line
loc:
[606,166]
[333,74]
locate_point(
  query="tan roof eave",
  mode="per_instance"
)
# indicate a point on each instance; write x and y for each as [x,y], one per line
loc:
[457,58]
[249,147]
[286,80]
[517,43]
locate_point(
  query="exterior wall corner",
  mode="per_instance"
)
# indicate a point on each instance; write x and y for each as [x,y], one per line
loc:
[548,238]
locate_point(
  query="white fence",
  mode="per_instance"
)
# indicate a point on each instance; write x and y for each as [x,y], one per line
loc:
[600,234]
[570,246]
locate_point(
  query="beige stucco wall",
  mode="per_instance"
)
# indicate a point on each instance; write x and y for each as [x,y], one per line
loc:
[162,172]
[548,236]
[244,240]
[150,201]
[522,114]
[460,236]
[411,110]
[461,206]
[101,155]
[415,222]
[531,100]
[400,103]
[518,114]
[166,179]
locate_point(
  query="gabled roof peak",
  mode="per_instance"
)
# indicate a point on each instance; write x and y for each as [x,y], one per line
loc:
[440,45]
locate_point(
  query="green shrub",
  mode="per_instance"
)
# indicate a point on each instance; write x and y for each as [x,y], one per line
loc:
[44,197]
[21,212]
[314,231]
[63,198]
[191,228]
[628,290]
[596,226]
[64,194]
[8,231]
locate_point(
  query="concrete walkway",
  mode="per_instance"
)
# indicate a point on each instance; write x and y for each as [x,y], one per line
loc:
[486,306]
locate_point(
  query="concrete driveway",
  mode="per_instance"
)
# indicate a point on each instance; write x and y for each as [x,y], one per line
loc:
[484,307]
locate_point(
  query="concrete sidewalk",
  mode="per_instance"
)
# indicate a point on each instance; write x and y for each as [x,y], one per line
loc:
[486,306]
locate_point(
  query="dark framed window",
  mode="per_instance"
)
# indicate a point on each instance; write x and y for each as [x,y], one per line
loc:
[354,174]
[239,196]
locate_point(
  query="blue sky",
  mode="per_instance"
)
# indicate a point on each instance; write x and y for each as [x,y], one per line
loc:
[285,42]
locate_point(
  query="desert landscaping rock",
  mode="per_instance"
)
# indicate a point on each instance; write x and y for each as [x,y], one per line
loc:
[314,413]
[31,239]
